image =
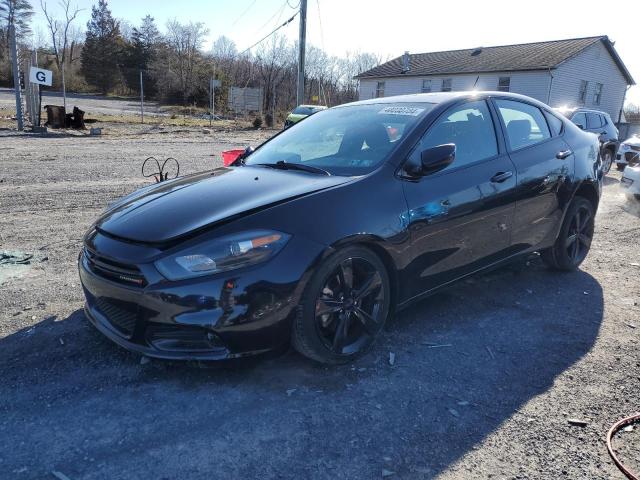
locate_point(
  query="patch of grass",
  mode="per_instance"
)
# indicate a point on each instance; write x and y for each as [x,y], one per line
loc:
[164,120]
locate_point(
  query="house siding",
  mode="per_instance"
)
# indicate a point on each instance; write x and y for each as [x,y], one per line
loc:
[534,84]
[595,65]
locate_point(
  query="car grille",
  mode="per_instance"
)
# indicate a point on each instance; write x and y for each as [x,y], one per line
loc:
[114,271]
[182,338]
[121,317]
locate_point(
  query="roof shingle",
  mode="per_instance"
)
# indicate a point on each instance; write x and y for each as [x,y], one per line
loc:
[505,58]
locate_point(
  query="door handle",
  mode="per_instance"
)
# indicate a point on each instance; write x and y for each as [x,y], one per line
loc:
[501,177]
[561,155]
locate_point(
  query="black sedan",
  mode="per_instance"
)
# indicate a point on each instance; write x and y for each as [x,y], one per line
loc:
[319,235]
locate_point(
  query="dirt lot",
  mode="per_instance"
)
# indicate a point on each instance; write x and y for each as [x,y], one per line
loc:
[486,375]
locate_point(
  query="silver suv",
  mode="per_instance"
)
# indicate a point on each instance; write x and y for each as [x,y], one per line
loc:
[600,123]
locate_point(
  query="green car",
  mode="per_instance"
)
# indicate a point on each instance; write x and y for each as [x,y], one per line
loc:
[300,112]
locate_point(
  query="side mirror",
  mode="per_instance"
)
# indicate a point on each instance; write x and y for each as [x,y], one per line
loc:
[437,158]
[580,126]
[247,151]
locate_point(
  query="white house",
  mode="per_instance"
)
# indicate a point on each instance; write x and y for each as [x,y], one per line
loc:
[575,72]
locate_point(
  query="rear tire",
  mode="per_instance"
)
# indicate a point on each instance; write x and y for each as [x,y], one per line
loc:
[344,307]
[607,160]
[574,241]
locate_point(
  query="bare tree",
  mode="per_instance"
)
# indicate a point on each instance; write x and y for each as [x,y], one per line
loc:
[224,48]
[271,60]
[60,36]
[185,42]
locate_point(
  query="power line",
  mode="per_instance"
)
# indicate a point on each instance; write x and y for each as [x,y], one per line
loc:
[320,22]
[244,12]
[269,34]
[278,13]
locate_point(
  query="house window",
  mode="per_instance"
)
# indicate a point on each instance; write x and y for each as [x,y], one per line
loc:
[597,94]
[504,83]
[582,93]
[426,86]
[446,85]
[380,90]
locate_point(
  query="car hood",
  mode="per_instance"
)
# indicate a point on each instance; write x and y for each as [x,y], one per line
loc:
[635,141]
[167,211]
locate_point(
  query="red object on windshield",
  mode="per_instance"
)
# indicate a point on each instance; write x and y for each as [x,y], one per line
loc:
[230,156]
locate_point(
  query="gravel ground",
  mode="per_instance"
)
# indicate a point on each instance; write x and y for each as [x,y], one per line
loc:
[486,373]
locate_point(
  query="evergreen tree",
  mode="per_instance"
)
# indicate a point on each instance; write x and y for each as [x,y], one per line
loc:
[140,53]
[18,13]
[103,47]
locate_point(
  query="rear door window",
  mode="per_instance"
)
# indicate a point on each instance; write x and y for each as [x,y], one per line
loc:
[580,119]
[525,123]
[593,120]
[555,124]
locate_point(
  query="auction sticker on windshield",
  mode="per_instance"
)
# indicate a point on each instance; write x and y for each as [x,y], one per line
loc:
[412,111]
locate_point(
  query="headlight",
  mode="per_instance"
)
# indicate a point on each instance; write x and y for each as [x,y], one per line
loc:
[223,254]
[624,147]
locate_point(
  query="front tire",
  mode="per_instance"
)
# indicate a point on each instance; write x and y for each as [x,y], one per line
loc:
[574,241]
[344,307]
[620,166]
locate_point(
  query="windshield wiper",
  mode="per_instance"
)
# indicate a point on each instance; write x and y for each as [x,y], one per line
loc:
[282,165]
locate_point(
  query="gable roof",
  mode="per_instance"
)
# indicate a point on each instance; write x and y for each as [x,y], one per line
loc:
[505,58]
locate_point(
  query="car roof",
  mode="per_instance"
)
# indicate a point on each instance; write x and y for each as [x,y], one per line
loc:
[571,111]
[444,97]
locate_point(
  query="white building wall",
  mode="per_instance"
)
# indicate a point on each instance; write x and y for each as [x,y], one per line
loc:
[534,84]
[594,64]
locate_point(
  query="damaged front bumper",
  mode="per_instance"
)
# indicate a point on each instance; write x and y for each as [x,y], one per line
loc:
[230,315]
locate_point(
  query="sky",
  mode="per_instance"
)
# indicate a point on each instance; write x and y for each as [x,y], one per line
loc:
[388,28]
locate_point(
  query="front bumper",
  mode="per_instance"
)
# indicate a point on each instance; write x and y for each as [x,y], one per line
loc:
[235,314]
[628,157]
[630,181]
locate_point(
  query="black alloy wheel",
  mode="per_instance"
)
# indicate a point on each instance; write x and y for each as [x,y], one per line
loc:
[580,234]
[345,307]
[574,241]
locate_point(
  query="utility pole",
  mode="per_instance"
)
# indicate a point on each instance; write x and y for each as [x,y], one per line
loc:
[16,74]
[64,89]
[302,38]
[141,98]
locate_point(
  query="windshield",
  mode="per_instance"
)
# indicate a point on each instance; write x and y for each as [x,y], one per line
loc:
[306,110]
[350,140]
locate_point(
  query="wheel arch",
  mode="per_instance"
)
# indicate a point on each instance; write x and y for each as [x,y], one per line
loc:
[379,247]
[589,191]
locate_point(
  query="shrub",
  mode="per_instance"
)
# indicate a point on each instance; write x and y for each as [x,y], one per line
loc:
[257,122]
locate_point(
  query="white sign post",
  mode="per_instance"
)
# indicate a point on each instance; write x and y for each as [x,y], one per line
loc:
[41,76]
